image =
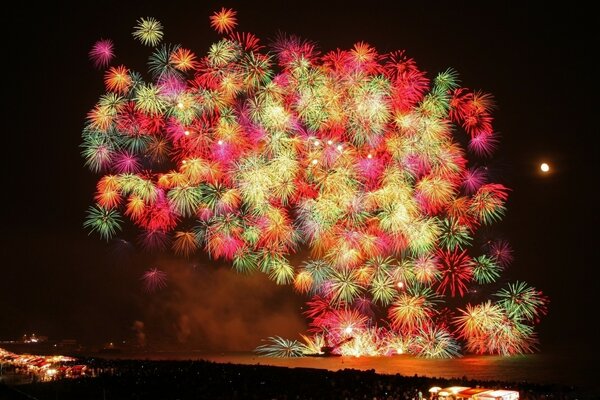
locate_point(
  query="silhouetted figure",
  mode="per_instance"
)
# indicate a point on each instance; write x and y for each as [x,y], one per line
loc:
[328,350]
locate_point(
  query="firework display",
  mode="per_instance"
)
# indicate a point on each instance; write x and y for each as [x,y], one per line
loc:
[375,170]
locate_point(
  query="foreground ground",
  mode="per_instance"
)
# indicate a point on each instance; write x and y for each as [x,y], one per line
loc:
[198,379]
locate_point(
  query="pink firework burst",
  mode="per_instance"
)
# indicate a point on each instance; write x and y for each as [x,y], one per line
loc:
[102,53]
[154,279]
[483,143]
[153,240]
[501,251]
[126,162]
[473,178]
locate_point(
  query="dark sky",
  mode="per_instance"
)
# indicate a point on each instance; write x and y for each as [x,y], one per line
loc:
[58,281]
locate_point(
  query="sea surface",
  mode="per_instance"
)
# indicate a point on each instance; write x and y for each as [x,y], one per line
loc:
[559,368]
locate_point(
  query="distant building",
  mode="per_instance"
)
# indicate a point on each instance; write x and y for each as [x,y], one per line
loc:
[33,338]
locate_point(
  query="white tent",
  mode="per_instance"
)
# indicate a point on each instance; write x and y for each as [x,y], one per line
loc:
[467,393]
[498,395]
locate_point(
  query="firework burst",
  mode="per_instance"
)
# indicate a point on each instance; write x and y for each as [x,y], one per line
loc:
[281,347]
[501,251]
[457,270]
[104,221]
[148,31]
[523,302]
[224,20]
[435,342]
[154,279]
[102,53]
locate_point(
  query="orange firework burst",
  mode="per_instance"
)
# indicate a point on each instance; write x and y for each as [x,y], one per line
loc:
[117,79]
[183,59]
[100,118]
[224,21]
[364,56]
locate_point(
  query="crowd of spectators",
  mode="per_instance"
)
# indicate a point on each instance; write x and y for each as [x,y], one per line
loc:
[198,379]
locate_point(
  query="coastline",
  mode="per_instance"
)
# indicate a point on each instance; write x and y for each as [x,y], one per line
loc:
[546,369]
[565,373]
[203,379]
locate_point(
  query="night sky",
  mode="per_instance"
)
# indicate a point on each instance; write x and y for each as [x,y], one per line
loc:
[58,281]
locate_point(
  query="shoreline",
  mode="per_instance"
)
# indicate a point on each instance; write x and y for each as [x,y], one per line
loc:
[165,379]
[470,371]
[545,369]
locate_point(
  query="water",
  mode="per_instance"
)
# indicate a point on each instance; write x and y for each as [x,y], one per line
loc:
[555,368]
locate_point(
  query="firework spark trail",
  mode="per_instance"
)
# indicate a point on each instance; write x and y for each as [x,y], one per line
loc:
[249,154]
[154,279]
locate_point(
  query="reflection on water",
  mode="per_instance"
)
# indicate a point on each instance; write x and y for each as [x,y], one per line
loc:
[563,369]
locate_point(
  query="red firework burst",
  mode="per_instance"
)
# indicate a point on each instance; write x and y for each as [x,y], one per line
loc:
[457,270]
[154,279]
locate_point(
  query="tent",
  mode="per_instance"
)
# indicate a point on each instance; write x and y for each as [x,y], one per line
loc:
[497,395]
